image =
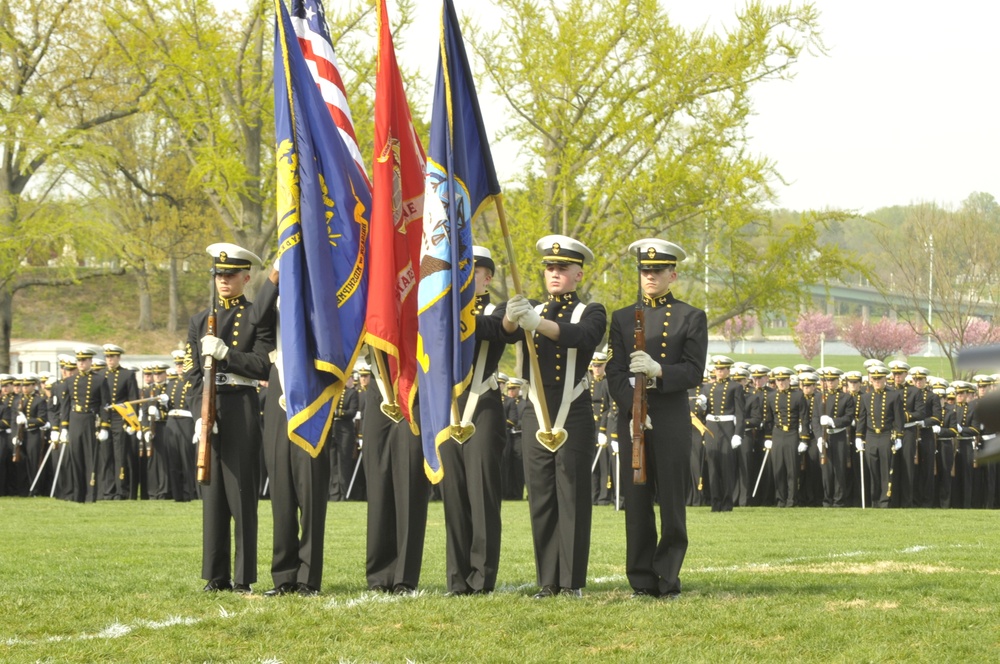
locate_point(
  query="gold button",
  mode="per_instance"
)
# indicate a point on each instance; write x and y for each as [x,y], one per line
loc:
[558,368]
[558,378]
[236,333]
[239,315]
[235,343]
[663,354]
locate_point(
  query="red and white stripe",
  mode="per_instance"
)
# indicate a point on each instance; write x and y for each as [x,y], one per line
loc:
[322,62]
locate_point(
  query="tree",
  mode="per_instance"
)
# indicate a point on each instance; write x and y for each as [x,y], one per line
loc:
[810,330]
[633,127]
[59,81]
[216,92]
[941,265]
[737,328]
[881,340]
[140,185]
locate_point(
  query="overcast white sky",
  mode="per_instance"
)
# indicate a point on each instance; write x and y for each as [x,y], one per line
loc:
[901,110]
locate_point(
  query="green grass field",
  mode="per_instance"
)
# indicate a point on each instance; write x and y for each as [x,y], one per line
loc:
[120,582]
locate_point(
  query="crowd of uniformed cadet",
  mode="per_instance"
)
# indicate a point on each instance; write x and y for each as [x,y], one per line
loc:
[746,435]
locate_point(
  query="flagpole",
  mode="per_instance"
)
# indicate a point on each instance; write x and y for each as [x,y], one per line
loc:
[532,354]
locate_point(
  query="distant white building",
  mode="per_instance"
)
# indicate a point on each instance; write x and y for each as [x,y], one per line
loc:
[39,356]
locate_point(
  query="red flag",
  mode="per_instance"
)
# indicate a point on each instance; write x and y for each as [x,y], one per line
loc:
[396,224]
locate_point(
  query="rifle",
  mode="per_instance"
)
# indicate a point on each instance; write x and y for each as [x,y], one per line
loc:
[207,402]
[639,391]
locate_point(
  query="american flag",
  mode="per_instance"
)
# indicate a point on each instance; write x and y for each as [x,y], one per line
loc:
[309,22]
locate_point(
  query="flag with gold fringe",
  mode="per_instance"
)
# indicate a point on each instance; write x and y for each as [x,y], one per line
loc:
[323,207]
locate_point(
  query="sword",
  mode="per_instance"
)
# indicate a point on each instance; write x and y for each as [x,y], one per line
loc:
[41,467]
[861,466]
[618,482]
[55,479]
[354,475]
[761,473]
[597,456]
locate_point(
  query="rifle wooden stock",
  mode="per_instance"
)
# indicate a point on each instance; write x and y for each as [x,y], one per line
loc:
[207,406]
[639,402]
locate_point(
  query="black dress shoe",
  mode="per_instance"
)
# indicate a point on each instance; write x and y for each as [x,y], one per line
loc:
[242,588]
[571,592]
[403,589]
[305,590]
[283,589]
[672,596]
[458,593]
[381,589]
[546,591]
[217,585]
[642,592]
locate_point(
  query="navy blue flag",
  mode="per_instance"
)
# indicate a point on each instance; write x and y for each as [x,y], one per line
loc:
[460,182]
[323,206]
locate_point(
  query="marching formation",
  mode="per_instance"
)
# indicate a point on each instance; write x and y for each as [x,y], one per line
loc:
[825,437]
[734,434]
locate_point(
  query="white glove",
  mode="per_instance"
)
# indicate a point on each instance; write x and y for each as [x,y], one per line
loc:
[129,430]
[197,430]
[361,441]
[826,421]
[859,444]
[767,444]
[614,446]
[214,346]
[102,436]
[641,362]
[702,401]
[820,443]
[803,447]
[154,413]
[897,444]
[22,419]
[936,429]
[602,439]
[736,442]
[648,425]
[64,436]
[517,306]
[148,436]
[530,320]
[54,437]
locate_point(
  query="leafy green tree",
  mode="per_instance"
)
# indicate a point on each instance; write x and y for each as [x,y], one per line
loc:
[632,126]
[60,79]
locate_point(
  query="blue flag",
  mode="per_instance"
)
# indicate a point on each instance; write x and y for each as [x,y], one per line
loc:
[460,181]
[323,206]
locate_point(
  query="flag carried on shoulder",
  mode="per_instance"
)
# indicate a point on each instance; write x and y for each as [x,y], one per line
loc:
[323,204]
[397,210]
[460,182]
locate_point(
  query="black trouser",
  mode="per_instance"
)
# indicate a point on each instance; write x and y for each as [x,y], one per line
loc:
[471,490]
[905,486]
[879,460]
[559,498]
[743,464]
[182,458]
[962,486]
[82,457]
[120,453]
[299,484]
[229,502]
[721,462]
[650,565]
[784,454]
[343,445]
[811,477]
[107,475]
[946,459]
[835,469]
[696,469]
[925,479]
[397,486]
